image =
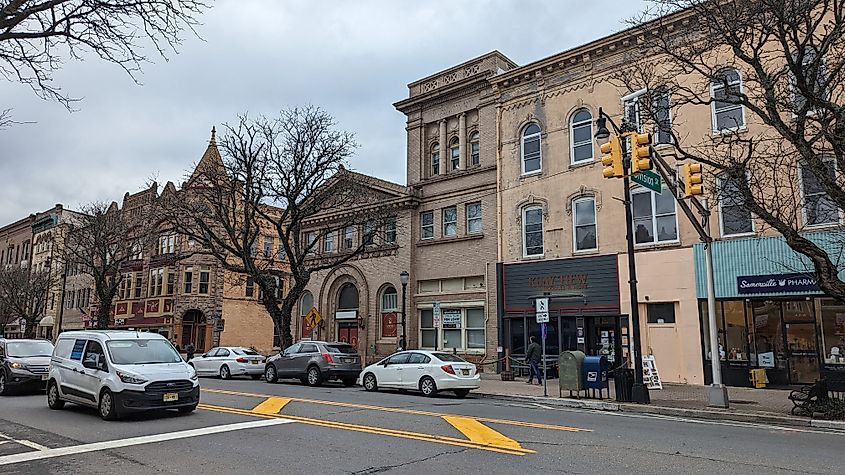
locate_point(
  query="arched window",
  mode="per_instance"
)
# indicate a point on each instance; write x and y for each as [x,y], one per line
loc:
[306,303]
[348,297]
[455,153]
[581,137]
[725,89]
[531,157]
[532,231]
[474,150]
[435,159]
[389,307]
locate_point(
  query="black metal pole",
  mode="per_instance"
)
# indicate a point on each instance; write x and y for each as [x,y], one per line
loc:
[404,342]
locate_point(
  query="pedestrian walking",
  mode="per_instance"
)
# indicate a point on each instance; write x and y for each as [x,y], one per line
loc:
[189,349]
[533,356]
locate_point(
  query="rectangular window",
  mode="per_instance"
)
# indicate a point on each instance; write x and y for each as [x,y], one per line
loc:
[475,328]
[435,160]
[450,221]
[584,224]
[819,208]
[171,283]
[833,332]
[427,330]
[390,231]
[735,216]
[473,211]
[137,252]
[815,75]
[204,275]
[250,287]
[189,280]
[156,281]
[661,312]
[310,239]
[427,225]
[474,150]
[369,233]
[139,280]
[633,116]
[329,242]
[655,219]
[167,244]
[726,91]
[662,110]
[532,232]
[348,237]
[268,247]
[455,152]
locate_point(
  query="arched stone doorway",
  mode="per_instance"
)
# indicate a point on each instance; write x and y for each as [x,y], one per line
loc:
[193,330]
[347,314]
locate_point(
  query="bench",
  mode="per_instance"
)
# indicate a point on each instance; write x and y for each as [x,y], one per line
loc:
[803,399]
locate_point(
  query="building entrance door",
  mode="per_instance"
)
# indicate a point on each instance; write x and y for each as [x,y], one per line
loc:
[802,352]
[348,333]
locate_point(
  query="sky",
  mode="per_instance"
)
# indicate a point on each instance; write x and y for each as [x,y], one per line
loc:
[352,58]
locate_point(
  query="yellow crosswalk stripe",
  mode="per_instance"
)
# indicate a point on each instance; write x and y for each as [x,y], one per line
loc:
[481,434]
[271,405]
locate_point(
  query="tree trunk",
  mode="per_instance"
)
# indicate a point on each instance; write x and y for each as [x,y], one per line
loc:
[30,328]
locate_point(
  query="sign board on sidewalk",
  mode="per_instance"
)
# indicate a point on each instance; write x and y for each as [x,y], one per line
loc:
[313,317]
[435,312]
[542,310]
[651,378]
[648,179]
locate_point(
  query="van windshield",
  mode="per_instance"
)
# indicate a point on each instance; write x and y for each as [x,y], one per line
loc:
[142,352]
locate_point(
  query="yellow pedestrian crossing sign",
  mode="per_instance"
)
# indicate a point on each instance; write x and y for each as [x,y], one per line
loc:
[313,317]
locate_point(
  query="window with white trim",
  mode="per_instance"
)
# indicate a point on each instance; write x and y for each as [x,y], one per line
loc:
[427,225]
[461,329]
[726,90]
[329,242]
[584,223]
[455,153]
[532,231]
[473,211]
[368,233]
[818,207]
[531,155]
[815,73]
[348,237]
[581,137]
[389,308]
[655,218]
[450,221]
[156,281]
[631,108]
[435,159]
[204,276]
[167,244]
[734,215]
[474,149]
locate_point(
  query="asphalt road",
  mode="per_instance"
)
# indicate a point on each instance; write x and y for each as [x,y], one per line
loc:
[247,426]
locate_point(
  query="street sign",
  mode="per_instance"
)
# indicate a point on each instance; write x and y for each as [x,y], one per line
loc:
[313,317]
[436,314]
[648,179]
[542,310]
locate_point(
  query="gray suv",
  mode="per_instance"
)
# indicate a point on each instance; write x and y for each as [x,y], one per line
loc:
[313,362]
[24,364]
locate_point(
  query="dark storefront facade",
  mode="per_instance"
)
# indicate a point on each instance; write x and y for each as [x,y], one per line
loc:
[584,309]
[769,316]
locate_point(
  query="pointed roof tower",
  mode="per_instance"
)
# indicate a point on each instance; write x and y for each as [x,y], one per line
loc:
[211,159]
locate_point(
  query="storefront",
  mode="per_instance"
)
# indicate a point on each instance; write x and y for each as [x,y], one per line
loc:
[584,311]
[769,316]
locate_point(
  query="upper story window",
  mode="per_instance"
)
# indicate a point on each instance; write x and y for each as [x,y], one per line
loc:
[389,302]
[532,231]
[818,207]
[631,107]
[137,251]
[581,136]
[735,216]
[311,242]
[204,279]
[531,157]
[474,149]
[348,237]
[584,223]
[815,75]
[268,246]
[329,242]
[663,113]
[455,153]
[450,221]
[369,233]
[390,231]
[427,225]
[655,218]
[474,218]
[726,91]
[435,159]
[167,244]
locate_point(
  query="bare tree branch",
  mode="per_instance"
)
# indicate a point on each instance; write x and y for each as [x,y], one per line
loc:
[23,294]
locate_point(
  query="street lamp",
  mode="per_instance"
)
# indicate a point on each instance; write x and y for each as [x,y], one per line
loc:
[404,277]
[640,391]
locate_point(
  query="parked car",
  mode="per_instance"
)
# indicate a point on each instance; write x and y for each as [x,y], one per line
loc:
[24,364]
[119,372]
[228,361]
[426,371]
[313,362]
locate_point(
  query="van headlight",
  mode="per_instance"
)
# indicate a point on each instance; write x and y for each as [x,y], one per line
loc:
[129,378]
[193,375]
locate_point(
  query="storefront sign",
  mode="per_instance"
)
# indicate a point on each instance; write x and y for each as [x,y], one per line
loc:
[764,284]
[452,318]
[346,315]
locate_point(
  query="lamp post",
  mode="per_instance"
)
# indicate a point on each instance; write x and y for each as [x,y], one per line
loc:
[404,277]
[640,391]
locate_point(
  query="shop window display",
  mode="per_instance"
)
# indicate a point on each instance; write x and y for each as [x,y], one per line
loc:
[833,332]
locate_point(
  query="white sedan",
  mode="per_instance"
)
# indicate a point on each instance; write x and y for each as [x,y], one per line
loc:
[426,371]
[228,361]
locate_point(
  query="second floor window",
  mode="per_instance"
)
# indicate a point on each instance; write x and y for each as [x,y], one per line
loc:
[655,219]
[473,218]
[581,137]
[167,244]
[726,90]
[139,279]
[815,76]
[427,225]
[156,282]
[435,159]
[348,237]
[204,276]
[532,231]
[189,280]
[735,216]
[450,221]
[268,247]
[369,233]
[817,205]
[455,153]
[663,128]
[311,242]
[584,223]
[329,242]
[249,291]
[474,149]
[390,231]
[531,155]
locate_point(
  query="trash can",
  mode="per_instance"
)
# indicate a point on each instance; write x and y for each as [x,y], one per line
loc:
[571,378]
[623,383]
[595,373]
[758,377]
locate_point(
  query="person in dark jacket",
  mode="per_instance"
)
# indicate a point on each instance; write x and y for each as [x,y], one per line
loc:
[189,349]
[533,356]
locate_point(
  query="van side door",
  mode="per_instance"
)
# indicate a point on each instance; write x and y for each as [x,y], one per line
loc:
[94,369]
[72,377]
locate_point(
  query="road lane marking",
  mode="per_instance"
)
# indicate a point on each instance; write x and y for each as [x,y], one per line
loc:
[374,430]
[532,425]
[147,439]
[271,405]
[32,445]
[481,434]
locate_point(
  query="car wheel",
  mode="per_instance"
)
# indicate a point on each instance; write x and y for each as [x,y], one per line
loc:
[107,406]
[270,374]
[4,390]
[428,387]
[53,399]
[187,409]
[314,376]
[348,382]
[225,373]
[370,383]
[461,393]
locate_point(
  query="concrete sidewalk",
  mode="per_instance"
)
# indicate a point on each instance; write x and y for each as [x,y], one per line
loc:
[769,406]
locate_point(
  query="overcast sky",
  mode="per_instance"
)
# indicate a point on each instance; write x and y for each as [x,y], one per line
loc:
[352,58]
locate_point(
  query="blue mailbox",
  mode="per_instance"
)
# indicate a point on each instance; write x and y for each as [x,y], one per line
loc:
[595,372]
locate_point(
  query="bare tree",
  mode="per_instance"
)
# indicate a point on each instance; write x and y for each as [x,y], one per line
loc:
[35,35]
[772,74]
[283,178]
[24,296]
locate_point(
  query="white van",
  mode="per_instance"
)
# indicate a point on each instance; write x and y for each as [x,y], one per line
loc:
[119,372]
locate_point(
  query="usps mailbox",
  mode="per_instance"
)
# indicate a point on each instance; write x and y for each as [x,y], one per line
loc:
[571,376]
[595,373]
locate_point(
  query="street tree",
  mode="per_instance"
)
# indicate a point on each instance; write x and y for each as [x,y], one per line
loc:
[23,293]
[284,180]
[36,36]
[771,73]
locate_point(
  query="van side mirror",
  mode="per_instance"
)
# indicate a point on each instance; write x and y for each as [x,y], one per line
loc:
[204,355]
[90,364]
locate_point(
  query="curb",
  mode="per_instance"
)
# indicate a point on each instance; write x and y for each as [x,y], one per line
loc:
[820,424]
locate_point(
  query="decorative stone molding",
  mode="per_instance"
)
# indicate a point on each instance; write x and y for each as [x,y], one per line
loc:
[583,192]
[531,200]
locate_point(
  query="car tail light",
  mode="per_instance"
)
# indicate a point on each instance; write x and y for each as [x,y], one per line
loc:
[448,368]
[242,360]
[328,358]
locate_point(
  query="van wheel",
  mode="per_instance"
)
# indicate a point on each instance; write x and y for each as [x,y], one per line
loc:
[53,399]
[314,376]
[225,373]
[428,387]
[270,374]
[107,406]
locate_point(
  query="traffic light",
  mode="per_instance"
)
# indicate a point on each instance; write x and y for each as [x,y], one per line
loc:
[640,152]
[612,158]
[692,180]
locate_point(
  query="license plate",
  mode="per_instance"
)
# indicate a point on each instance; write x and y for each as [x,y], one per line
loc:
[170,397]
[465,372]
[253,361]
[349,360]
[44,377]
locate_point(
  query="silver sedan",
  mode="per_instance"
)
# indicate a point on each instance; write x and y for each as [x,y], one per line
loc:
[228,361]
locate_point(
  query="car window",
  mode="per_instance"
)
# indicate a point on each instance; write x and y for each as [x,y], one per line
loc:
[293,349]
[63,348]
[401,358]
[222,352]
[418,358]
[213,351]
[446,357]
[342,349]
[78,347]
[245,351]
[308,348]
[94,353]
